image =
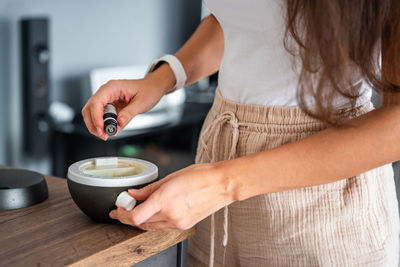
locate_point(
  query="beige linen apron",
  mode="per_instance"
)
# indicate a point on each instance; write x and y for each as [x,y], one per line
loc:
[351,222]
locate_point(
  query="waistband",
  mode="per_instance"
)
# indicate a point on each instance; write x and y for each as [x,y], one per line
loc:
[279,118]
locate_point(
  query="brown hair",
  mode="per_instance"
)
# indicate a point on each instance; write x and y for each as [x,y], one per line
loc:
[338,41]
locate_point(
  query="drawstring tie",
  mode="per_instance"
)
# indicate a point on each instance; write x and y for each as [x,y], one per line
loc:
[230,118]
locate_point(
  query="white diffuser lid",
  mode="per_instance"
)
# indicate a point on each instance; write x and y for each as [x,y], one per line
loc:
[112,172]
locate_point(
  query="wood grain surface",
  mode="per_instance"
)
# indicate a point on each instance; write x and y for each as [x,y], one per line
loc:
[56,233]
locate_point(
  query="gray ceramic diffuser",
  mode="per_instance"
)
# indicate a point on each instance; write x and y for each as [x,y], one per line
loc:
[94,184]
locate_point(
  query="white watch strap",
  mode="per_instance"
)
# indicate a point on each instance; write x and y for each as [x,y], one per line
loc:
[176,67]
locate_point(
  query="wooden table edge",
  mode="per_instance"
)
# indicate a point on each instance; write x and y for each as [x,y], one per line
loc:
[128,252]
[132,250]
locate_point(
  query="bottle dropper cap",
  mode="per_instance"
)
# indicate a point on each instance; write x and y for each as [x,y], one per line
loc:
[110,129]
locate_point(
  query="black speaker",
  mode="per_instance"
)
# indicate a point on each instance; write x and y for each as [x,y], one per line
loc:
[35,57]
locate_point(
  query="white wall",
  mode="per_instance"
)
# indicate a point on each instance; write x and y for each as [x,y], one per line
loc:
[83,35]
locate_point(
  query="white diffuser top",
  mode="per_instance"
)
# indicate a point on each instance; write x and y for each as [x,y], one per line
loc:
[113,172]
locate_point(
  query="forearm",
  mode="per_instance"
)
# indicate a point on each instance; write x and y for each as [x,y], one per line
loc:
[200,56]
[328,156]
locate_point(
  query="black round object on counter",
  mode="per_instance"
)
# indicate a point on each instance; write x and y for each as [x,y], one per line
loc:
[21,188]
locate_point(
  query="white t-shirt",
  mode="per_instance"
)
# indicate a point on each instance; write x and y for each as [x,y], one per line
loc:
[256,68]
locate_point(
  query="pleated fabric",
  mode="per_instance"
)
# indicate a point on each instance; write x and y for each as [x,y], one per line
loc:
[351,222]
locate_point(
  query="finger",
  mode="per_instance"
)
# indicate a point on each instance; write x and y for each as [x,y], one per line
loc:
[121,215]
[88,121]
[96,113]
[144,211]
[158,226]
[111,91]
[177,224]
[145,192]
[87,117]
[158,217]
[113,214]
[127,113]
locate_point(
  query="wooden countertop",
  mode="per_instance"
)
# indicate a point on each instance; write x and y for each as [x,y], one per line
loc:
[55,232]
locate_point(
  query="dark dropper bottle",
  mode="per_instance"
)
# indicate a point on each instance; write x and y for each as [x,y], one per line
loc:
[110,119]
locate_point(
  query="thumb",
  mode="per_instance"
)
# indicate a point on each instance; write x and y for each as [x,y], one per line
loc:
[127,113]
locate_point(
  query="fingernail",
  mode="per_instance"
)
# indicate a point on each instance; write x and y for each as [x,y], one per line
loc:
[123,120]
[133,190]
[99,131]
[112,214]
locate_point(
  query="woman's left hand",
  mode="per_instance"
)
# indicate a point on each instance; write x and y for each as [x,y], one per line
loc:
[180,200]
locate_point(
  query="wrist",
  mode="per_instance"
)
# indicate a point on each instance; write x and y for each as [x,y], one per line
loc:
[174,65]
[230,182]
[163,77]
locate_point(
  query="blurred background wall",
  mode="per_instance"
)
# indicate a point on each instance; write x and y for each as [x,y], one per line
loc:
[83,35]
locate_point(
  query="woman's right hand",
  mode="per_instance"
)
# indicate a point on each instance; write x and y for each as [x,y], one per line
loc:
[130,97]
[200,56]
